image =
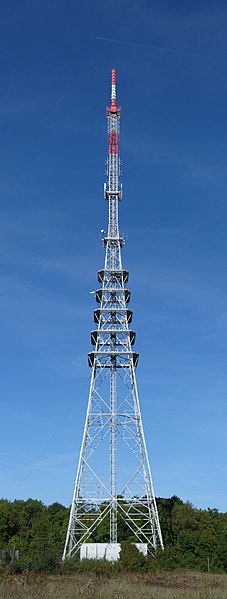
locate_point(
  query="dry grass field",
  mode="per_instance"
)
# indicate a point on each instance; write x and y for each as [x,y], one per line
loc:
[163,585]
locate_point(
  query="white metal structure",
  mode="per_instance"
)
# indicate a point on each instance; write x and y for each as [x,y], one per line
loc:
[108,551]
[113,478]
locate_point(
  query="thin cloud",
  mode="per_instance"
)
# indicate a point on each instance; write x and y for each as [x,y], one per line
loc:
[158,48]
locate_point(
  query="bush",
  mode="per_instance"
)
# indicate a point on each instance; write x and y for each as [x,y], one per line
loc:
[131,559]
[36,562]
[101,567]
[169,559]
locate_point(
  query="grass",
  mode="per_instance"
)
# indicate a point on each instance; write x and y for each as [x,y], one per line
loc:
[163,585]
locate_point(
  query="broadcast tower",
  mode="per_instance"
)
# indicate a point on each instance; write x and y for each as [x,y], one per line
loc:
[113,480]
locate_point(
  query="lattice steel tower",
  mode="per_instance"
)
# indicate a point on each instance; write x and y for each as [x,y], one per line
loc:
[113,478]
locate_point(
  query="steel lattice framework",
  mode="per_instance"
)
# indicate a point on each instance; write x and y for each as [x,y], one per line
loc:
[113,477]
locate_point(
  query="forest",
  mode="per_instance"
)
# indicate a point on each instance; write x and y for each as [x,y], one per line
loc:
[32,537]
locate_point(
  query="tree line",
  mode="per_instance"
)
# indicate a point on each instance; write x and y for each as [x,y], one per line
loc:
[32,536]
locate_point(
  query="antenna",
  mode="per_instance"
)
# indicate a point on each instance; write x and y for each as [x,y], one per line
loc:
[113,480]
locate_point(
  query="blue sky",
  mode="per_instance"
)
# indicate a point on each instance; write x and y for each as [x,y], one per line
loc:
[55,81]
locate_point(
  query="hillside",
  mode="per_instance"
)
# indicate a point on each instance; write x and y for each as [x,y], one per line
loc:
[32,535]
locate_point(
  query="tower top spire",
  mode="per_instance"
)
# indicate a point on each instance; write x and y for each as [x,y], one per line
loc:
[113,108]
[113,88]
[113,186]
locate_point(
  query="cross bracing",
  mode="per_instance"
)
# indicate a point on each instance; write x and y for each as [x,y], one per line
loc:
[113,477]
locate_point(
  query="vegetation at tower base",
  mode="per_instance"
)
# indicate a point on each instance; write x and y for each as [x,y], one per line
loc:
[32,537]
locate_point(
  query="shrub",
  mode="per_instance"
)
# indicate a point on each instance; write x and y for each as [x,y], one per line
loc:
[131,559]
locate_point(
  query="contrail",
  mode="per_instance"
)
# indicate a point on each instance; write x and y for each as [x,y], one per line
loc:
[160,49]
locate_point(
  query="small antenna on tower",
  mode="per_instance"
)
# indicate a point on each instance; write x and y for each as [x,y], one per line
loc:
[113,88]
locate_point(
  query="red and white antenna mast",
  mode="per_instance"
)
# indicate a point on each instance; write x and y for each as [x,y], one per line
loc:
[113,187]
[113,88]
